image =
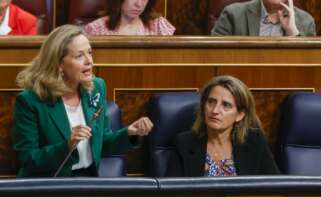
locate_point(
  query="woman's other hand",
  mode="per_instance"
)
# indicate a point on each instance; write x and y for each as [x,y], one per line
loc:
[140,127]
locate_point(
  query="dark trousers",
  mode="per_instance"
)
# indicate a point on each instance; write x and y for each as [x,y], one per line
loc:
[85,172]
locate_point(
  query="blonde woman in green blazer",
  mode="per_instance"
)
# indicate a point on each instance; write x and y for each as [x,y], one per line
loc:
[54,113]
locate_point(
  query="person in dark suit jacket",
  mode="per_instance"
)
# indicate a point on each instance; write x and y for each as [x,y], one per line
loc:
[58,111]
[226,138]
[264,18]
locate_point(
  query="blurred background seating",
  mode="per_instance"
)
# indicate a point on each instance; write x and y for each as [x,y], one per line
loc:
[171,113]
[113,165]
[82,12]
[300,130]
[190,17]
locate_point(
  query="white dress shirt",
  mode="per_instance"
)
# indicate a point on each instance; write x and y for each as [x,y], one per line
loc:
[76,117]
[4,27]
[267,28]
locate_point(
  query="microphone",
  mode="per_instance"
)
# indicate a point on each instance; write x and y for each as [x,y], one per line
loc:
[93,118]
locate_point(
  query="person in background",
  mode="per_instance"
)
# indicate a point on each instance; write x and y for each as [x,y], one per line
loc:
[264,18]
[130,17]
[226,138]
[16,21]
[58,111]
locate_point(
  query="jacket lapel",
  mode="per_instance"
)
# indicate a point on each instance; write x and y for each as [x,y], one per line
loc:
[58,114]
[197,154]
[88,110]
[12,18]
[242,155]
[253,18]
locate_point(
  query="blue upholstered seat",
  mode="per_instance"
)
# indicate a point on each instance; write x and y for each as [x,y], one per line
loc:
[171,113]
[300,130]
[114,165]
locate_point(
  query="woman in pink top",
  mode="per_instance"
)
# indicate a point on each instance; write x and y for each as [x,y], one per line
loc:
[130,17]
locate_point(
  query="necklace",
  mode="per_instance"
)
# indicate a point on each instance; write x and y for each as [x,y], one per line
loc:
[219,153]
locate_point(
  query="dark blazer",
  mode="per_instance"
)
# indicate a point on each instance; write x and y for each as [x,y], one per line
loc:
[251,158]
[243,19]
[41,132]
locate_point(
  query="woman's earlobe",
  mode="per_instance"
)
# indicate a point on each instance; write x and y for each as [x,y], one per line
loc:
[240,116]
[61,72]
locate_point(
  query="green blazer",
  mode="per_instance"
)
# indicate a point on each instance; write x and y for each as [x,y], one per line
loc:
[243,19]
[41,132]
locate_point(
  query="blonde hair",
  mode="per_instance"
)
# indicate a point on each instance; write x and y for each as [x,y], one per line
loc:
[43,76]
[244,102]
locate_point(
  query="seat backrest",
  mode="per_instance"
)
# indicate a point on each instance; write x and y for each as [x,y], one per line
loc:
[300,130]
[113,165]
[215,9]
[114,114]
[42,9]
[171,113]
[82,12]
